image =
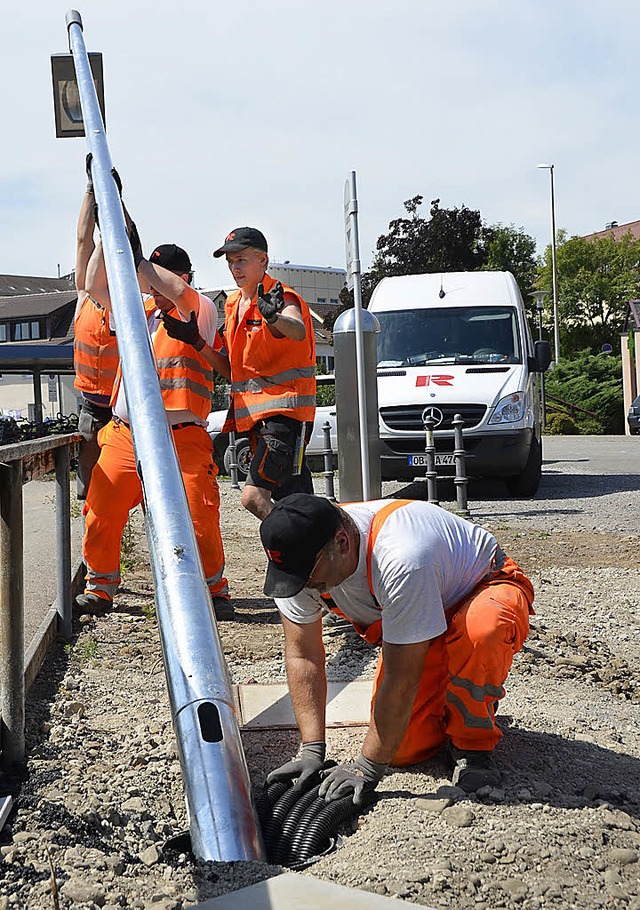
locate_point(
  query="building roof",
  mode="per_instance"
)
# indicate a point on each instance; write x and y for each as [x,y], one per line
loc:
[52,356]
[27,306]
[617,231]
[307,268]
[14,285]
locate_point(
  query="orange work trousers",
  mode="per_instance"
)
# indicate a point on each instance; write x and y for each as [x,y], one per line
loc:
[115,489]
[465,668]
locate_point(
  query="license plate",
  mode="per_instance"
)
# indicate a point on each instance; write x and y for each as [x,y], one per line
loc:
[420,461]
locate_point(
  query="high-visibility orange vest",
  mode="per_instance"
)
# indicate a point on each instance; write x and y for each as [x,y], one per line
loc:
[372,633]
[269,375]
[186,379]
[95,350]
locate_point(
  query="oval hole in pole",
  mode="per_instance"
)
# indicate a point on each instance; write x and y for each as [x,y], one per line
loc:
[209,720]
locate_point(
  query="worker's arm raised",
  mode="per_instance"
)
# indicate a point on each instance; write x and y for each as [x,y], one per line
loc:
[281,313]
[189,333]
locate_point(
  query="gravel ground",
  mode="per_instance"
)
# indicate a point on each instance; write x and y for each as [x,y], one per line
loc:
[102,791]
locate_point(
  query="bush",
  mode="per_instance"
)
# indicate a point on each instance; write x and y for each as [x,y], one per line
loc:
[560,424]
[592,382]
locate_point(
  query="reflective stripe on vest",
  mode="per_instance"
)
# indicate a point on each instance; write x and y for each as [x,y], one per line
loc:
[186,379]
[263,382]
[269,375]
[95,350]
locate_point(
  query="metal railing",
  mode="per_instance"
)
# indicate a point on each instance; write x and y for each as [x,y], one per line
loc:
[19,464]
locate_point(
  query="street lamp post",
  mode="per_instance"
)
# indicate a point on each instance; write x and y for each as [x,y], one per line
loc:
[539,299]
[554,275]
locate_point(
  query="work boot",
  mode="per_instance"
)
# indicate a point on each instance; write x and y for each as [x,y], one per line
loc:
[473,769]
[223,608]
[93,603]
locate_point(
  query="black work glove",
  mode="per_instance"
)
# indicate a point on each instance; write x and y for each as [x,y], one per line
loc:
[136,245]
[184,331]
[87,167]
[270,304]
[361,776]
[117,180]
[310,761]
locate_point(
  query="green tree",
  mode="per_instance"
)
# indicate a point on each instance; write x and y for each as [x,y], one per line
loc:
[596,279]
[450,240]
[594,383]
[511,250]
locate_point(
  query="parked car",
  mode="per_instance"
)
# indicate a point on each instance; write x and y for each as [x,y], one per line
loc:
[315,449]
[633,417]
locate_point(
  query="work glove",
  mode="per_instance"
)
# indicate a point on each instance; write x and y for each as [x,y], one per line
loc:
[117,180]
[87,167]
[270,304]
[310,761]
[184,331]
[355,779]
[136,245]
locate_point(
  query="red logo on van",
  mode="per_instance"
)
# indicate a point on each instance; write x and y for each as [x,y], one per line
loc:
[433,379]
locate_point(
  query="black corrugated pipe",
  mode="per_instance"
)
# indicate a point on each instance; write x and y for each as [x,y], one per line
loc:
[298,825]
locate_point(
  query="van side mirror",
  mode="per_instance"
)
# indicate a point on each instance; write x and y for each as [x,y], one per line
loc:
[541,359]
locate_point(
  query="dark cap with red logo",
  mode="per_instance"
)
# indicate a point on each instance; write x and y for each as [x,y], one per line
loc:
[241,239]
[293,534]
[171,257]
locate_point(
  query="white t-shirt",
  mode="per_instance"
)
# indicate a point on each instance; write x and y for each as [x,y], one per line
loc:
[207,325]
[424,561]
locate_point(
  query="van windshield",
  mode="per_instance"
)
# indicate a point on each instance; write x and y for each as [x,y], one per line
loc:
[448,335]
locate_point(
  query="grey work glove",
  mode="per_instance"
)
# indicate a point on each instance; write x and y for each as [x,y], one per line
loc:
[136,245]
[272,303]
[184,331]
[355,779]
[310,761]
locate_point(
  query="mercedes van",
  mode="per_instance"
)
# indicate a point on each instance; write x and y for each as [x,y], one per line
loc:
[459,343]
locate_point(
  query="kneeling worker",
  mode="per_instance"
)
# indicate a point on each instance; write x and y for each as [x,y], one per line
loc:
[439,596]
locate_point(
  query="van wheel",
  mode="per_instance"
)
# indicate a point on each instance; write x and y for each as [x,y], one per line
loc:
[243,458]
[527,482]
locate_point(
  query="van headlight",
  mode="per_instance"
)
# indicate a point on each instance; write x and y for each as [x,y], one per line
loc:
[509,409]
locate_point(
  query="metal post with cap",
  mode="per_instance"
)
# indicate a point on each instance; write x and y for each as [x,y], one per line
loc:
[359,323]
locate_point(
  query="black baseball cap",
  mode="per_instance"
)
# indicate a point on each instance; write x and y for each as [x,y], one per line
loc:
[171,257]
[241,239]
[293,534]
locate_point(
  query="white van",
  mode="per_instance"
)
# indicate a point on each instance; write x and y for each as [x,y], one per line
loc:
[459,343]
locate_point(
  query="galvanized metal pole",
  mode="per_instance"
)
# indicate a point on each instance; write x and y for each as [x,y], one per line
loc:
[222,820]
[11,615]
[353,263]
[63,541]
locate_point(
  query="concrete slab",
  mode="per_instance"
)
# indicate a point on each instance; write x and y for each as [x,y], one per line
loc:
[302,892]
[269,706]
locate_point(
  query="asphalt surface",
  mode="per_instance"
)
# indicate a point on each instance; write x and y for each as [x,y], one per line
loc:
[595,456]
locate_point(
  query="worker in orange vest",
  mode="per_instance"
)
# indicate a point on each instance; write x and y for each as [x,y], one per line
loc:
[271,352]
[95,350]
[186,382]
[446,606]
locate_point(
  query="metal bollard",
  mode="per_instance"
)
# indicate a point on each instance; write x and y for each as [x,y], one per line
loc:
[327,454]
[430,453]
[460,479]
[233,464]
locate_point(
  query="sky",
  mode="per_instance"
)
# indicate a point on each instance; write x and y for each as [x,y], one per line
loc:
[225,114]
